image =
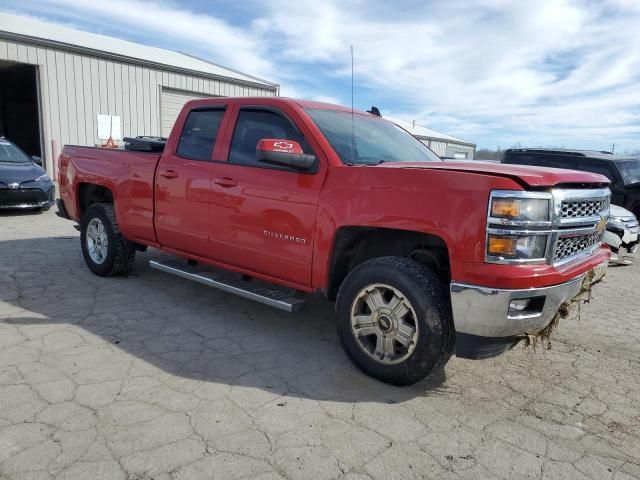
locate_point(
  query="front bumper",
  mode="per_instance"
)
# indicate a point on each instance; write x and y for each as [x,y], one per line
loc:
[27,197]
[482,315]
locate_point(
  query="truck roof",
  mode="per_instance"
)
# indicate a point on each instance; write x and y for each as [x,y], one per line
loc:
[280,100]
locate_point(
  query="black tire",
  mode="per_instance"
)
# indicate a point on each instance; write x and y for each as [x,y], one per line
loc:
[430,300]
[120,254]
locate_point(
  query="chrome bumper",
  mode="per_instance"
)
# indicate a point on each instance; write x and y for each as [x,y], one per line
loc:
[484,311]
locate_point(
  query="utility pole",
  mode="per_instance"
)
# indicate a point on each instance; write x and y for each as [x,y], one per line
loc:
[613,146]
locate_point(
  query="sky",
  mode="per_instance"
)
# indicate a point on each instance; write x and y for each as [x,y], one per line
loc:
[499,73]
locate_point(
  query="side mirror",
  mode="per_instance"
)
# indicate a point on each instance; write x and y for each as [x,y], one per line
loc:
[286,153]
[37,159]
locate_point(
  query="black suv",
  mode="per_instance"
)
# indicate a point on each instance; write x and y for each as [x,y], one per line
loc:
[624,172]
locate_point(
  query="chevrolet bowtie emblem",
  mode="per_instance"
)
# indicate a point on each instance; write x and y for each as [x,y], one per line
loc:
[601,225]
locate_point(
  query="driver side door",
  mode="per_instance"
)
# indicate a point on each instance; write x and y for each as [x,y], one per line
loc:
[264,216]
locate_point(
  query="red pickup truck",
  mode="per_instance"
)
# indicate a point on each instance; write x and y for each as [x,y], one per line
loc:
[273,198]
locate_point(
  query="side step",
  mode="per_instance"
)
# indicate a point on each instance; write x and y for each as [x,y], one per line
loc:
[274,296]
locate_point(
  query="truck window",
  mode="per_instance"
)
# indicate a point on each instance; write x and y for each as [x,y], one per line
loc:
[369,140]
[199,134]
[255,125]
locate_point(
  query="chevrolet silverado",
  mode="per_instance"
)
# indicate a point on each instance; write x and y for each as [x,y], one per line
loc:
[274,198]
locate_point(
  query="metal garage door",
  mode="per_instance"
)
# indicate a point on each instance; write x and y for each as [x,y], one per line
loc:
[171,102]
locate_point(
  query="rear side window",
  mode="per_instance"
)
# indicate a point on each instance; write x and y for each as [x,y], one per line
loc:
[199,134]
[255,125]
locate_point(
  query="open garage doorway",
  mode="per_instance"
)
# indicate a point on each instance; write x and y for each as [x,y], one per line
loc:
[19,106]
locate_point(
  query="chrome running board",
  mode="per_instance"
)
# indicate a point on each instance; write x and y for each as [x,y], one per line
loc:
[274,296]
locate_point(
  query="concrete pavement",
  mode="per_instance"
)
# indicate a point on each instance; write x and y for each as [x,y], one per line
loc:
[154,377]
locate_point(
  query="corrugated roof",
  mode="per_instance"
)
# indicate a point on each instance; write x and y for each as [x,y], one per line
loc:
[31,29]
[425,132]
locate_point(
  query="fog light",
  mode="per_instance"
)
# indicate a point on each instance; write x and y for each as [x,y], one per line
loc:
[519,304]
[526,307]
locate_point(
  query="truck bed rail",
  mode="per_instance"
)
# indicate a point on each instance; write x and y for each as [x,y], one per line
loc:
[145,144]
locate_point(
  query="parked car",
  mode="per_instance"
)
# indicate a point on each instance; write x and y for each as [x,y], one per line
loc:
[622,171]
[23,183]
[286,197]
[622,235]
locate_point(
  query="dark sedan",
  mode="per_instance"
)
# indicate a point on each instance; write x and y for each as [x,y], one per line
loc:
[23,183]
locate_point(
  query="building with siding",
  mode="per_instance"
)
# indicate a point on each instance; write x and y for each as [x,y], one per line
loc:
[55,82]
[441,143]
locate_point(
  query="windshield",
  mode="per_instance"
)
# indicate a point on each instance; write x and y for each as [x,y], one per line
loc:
[630,170]
[12,154]
[361,139]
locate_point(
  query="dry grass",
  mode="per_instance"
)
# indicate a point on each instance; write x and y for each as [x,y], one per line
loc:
[566,309]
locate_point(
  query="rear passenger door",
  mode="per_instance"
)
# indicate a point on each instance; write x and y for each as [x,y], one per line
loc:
[183,184]
[264,216]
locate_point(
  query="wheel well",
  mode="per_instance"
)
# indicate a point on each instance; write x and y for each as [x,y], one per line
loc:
[88,194]
[354,245]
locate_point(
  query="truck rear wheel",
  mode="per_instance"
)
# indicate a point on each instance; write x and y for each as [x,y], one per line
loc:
[394,320]
[106,252]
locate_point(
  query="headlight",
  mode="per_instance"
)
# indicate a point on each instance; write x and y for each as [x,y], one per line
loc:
[521,247]
[519,226]
[43,178]
[516,209]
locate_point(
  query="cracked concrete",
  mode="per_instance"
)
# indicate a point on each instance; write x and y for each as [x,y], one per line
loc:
[155,377]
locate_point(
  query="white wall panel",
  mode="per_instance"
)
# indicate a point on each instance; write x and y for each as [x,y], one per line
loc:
[75,88]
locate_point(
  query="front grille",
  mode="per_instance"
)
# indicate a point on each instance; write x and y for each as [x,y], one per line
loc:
[21,197]
[570,246]
[584,208]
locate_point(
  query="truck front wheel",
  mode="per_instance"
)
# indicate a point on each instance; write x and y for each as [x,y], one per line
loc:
[106,252]
[394,320]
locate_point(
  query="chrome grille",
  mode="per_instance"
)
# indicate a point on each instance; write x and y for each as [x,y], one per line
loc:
[570,246]
[584,208]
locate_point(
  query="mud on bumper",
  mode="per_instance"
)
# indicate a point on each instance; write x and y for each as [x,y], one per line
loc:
[489,321]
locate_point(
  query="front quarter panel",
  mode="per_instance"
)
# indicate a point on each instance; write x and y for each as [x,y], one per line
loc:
[450,205]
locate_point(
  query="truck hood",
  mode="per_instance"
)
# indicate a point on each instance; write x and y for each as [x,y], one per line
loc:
[523,174]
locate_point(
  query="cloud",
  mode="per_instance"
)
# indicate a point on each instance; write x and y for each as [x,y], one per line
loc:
[538,72]
[170,26]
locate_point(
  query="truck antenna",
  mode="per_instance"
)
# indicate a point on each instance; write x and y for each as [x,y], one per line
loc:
[352,114]
[352,88]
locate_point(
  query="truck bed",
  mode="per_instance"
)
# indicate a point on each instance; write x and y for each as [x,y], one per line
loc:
[128,174]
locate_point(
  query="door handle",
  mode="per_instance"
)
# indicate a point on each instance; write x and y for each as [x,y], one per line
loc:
[169,173]
[226,182]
